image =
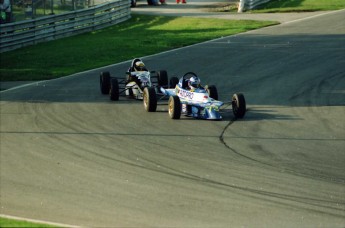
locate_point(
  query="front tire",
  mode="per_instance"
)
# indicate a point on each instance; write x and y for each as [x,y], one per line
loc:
[238,105]
[114,89]
[174,107]
[104,82]
[150,99]
[212,91]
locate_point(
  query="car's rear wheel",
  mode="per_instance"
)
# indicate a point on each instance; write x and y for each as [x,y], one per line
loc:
[238,105]
[212,91]
[173,82]
[162,78]
[174,107]
[104,82]
[150,99]
[114,89]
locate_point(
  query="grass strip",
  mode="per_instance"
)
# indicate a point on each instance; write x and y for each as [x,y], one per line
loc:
[275,6]
[5,222]
[140,36]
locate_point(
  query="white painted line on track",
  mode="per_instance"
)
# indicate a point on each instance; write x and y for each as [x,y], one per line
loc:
[37,221]
[310,17]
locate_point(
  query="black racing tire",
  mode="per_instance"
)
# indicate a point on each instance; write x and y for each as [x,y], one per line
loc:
[114,90]
[173,82]
[104,82]
[174,107]
[212,91]
[150,99]
[238,105]
[162,78]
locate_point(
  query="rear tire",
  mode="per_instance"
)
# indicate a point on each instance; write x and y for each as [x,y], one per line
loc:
[173,82]
[162,78]
[150,99]
[174,107]
[104,82]
[114,89]
[238,105]
[212,91]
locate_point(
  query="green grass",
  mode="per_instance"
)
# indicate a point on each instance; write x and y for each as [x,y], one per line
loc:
[300,5]
[140,36]
[4,222]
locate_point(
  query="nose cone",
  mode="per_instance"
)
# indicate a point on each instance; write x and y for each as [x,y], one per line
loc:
[213,113]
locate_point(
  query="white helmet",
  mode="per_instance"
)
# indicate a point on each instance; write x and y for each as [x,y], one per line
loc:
[139,66]
[194,82]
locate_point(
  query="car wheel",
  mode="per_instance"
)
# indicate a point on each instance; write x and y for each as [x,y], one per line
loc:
[174,107]
[150,99]
[114,89]
[212,91]
[173,82]
[238,105]
[162,78]
[104,82]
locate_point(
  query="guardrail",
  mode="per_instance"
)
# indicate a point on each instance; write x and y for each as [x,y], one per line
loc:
[250,4]
[29,32]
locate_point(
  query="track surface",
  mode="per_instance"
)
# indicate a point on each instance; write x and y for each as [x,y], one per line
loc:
[69,155]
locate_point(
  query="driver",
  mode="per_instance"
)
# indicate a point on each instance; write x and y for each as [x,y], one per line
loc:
[194,83]
[139,66]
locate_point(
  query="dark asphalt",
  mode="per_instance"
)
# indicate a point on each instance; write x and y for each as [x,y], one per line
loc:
[71,156]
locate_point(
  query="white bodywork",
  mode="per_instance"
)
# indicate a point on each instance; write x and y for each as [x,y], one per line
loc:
[199,98]
[132,89]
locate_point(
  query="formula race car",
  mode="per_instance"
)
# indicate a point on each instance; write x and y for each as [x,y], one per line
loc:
[138,83]
[199,102]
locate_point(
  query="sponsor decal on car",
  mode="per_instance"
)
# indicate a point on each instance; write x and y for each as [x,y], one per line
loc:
[186,94]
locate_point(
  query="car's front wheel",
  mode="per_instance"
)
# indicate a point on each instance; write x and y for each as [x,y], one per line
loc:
[238,105]
[212,91]
[174,107]
[150,99]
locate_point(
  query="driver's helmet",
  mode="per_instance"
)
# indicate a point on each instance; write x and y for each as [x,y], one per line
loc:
[194,82]
[139,66]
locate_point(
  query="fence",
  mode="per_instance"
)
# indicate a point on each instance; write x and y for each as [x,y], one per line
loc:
[250,4]
[29,32]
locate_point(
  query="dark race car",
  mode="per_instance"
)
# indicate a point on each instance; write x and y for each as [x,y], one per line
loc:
[138,83]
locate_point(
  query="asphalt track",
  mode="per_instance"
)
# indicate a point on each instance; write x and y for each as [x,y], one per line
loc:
[69,155]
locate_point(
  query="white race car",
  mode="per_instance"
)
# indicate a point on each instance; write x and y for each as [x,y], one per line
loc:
[201,103]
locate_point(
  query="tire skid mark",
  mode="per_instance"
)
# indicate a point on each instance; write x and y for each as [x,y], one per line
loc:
[277,168]
[254,193]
